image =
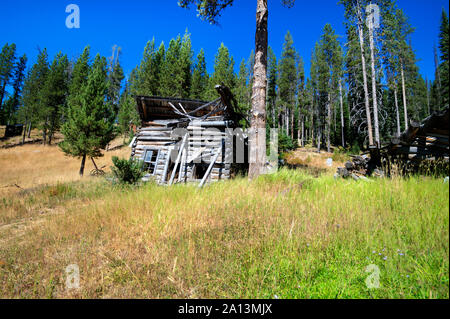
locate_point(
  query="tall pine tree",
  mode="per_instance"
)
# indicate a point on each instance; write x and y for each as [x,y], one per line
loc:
[90,125]
[223,71]
[53,95]
[7,59]
[31,96]
[272,82]
[287,84]
[444,66]
[13,103]
[200,78]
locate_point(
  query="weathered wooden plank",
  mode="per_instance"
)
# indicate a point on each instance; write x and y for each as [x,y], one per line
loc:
[156,144]
[206,138]
[221,168]
[155,129]
[201,128]
[156,124]
[178,159]
[207,134]
[166,167]
[182,165]
[211,123]
[203,144]
[428,151]
[155,138]
[154,134]
[208,171]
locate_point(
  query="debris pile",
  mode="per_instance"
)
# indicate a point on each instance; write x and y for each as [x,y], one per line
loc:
[355,168]
[358,169]
[421,141]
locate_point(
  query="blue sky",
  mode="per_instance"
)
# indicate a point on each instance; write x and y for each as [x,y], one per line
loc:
[130,24]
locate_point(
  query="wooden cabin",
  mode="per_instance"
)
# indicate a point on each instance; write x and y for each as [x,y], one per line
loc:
[182,140]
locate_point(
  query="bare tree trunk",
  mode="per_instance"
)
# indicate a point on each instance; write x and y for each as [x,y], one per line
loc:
[374,86]
[2,94]
[363,62]
[24,131]
[438,77]
[397,111]
[312,131]
[342,114]
[303,133]
[51,132]
[428,97]
[333,110]
[286,120]
[405,109]
[83,162]
[305,130]
[258,119]
[299,128]
[280,120]
[319,138]
[292,123]
[286,114]
[273,115]
[29,130]
[329,123]
[44,131]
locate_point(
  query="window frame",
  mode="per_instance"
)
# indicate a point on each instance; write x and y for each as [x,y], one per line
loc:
[151,163]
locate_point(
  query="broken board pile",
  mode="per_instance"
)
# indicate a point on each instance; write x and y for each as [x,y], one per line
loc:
[358,168]
[425,141]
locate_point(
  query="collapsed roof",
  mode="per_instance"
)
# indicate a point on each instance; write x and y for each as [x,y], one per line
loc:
[151,108]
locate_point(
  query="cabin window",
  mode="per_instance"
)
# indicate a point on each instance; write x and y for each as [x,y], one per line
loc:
[151,160]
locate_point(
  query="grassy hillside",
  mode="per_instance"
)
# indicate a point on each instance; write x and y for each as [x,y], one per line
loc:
[31,166]
[288,235]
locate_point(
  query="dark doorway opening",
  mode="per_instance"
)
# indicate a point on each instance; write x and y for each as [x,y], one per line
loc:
[199,171]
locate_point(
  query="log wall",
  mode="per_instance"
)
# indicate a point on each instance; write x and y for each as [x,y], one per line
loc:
[201,147]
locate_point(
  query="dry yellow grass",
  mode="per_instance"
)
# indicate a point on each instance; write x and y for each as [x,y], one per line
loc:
[30,166]
[276,237]
[308,157]
[288,234]
[34,135]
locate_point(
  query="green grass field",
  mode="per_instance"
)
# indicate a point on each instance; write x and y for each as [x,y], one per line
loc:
[287,235]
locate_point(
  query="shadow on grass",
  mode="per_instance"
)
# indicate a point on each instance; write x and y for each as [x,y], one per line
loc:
[313,171]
